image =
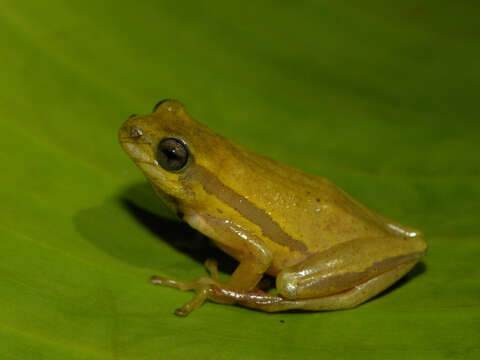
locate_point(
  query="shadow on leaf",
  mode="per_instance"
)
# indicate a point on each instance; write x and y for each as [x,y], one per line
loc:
[110,228]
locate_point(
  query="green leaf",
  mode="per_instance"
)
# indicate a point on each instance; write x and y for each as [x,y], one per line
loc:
[380,97]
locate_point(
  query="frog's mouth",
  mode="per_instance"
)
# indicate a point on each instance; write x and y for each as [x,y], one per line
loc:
[136,152]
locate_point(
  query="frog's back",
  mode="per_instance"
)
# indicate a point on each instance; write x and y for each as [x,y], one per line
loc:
[303,213]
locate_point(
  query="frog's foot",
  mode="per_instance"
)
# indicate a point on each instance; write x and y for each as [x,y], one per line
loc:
[201,286]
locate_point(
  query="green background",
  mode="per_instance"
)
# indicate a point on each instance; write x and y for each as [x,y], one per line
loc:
[380,97]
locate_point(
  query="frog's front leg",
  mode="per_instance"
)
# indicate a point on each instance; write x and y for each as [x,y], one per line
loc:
[254,257]
[200,285]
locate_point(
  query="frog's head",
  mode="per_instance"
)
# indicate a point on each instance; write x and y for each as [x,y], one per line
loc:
[167,145]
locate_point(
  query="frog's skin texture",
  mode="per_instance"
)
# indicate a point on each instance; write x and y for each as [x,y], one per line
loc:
[326,250]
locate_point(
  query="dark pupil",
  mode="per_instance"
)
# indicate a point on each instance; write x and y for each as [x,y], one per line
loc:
[172,154]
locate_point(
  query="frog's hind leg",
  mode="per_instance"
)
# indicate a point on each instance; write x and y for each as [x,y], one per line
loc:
[344,300]
[340,277]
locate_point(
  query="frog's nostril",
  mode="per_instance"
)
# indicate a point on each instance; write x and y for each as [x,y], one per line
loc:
[135,132]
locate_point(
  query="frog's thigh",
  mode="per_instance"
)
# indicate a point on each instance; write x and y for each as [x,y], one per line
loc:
[346,265]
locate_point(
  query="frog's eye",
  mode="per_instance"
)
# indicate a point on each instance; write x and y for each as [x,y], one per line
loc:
[158,104]
[172,154]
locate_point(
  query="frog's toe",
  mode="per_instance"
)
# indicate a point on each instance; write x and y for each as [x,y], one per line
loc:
[200,297]
[212,267]
[181,312]
[184,285]
[157,280]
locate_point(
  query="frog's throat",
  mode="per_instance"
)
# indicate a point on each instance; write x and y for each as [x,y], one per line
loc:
[270,229]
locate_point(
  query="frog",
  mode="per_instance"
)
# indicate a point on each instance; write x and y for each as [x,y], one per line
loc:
[324,250]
